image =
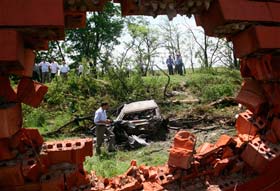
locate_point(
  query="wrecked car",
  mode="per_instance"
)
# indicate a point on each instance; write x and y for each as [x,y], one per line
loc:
[138,123]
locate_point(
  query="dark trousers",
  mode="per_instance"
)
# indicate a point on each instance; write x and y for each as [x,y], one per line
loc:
[100,131]
[53,75]
[36,76]
[45,76]
[170,69]
[180,69]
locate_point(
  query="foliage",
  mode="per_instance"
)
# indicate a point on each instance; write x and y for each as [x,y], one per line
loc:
[145,45]
[52,52]
[34,117]
[214,83]
[96,41]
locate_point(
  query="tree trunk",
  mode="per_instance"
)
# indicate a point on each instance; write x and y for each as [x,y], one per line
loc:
[206,64]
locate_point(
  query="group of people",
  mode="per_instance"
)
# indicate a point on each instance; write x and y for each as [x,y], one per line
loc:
[47,71]
[177,64]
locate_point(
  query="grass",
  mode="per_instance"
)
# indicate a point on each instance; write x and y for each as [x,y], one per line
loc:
[112,164]
[207,85]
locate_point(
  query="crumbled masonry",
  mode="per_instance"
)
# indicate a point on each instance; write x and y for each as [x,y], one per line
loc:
[248,161]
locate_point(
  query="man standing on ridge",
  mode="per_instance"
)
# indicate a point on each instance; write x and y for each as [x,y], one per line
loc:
[170,64]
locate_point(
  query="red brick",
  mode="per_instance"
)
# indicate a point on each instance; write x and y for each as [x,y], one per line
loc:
[238,166]
[152,186]
[29,60]
[166,175]
[129,8]
[74,178]
[180,158]
[53,181]
[75,20]
[26,187]
[98,6]
[28,13]
[225,183]
[184,140]
[35,43]
[31,92]
[34,136]
[6,153]
[57,152]
[71,151]
[224,140]
[25,138]
[240,142]
[10,174]
[252,96]
[265,67]
[7,93]
[264,153]
[256,39]
[220,166]
[31,169]
[10,120]
[275,126]
[227,153]
[244,124]
[12,49]
[81,149]
[271,136]
[223,12]
[244,68]
[131,186]
[272,91]
[205,148]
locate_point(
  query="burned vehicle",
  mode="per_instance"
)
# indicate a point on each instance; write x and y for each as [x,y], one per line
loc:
[140,122]
[136,124]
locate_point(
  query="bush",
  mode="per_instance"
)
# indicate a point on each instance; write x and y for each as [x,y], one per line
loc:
[214,84]
[33,117]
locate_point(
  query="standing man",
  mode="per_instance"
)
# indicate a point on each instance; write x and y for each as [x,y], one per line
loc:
[179,64]
[100,120]
[45,70]
[54,68]
[36,73]
[64,70]
[170,64]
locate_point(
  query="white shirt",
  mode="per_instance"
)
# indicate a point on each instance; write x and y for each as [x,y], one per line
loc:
[44,66]
[54,67]
[81,69]
[64,69]
[100,115]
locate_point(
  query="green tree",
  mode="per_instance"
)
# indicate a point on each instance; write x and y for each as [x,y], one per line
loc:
[56,50]
[146,44]
[96,41]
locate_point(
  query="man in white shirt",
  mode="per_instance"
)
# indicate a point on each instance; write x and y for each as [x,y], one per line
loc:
[64,70]
[100,120]
[54,68]
[44,65]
